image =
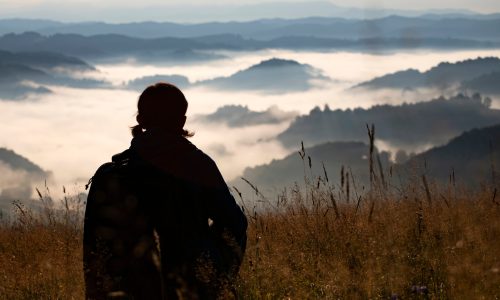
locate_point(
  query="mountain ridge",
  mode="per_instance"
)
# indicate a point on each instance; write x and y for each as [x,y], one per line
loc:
[165,48]
[189,28]
[442,76]
[26,73]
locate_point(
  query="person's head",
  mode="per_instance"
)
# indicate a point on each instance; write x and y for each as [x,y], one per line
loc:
[161,107]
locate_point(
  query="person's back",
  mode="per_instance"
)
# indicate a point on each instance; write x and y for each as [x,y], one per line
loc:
[201,229]
[184,191]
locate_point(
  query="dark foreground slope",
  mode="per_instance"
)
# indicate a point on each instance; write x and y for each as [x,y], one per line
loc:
[469,159]
[272,178]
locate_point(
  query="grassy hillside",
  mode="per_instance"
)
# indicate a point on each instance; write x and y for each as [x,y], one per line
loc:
[408,245]
[327,240]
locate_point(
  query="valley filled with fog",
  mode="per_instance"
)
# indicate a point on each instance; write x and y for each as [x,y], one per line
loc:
[71,130]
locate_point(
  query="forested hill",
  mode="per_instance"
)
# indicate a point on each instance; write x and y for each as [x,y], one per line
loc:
[18,162]
[442,76]
[432,122]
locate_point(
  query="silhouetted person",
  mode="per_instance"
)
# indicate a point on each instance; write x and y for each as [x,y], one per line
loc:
[161,184]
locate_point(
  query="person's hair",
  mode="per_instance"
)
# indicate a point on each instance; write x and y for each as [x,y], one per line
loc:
[161,105]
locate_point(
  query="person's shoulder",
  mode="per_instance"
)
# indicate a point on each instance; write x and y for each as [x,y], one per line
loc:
[207,168]
[204,158]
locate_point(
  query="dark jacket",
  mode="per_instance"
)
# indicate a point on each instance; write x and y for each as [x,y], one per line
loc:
[184,190]
[179,193]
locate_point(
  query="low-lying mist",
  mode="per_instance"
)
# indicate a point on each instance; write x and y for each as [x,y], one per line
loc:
[72,131]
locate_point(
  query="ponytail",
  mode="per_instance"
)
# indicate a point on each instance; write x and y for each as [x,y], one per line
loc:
[136,130]
[187,133]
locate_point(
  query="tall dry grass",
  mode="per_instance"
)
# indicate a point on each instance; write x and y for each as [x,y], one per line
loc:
[405,244]
[317,240]
[41,250]
[394,239]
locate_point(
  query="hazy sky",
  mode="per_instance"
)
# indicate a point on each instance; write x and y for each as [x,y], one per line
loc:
[182,10]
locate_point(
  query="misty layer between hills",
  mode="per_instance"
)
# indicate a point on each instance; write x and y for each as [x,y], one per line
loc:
[240,116]
[401,126]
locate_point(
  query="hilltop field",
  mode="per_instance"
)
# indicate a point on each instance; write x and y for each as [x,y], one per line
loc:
[317,240]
